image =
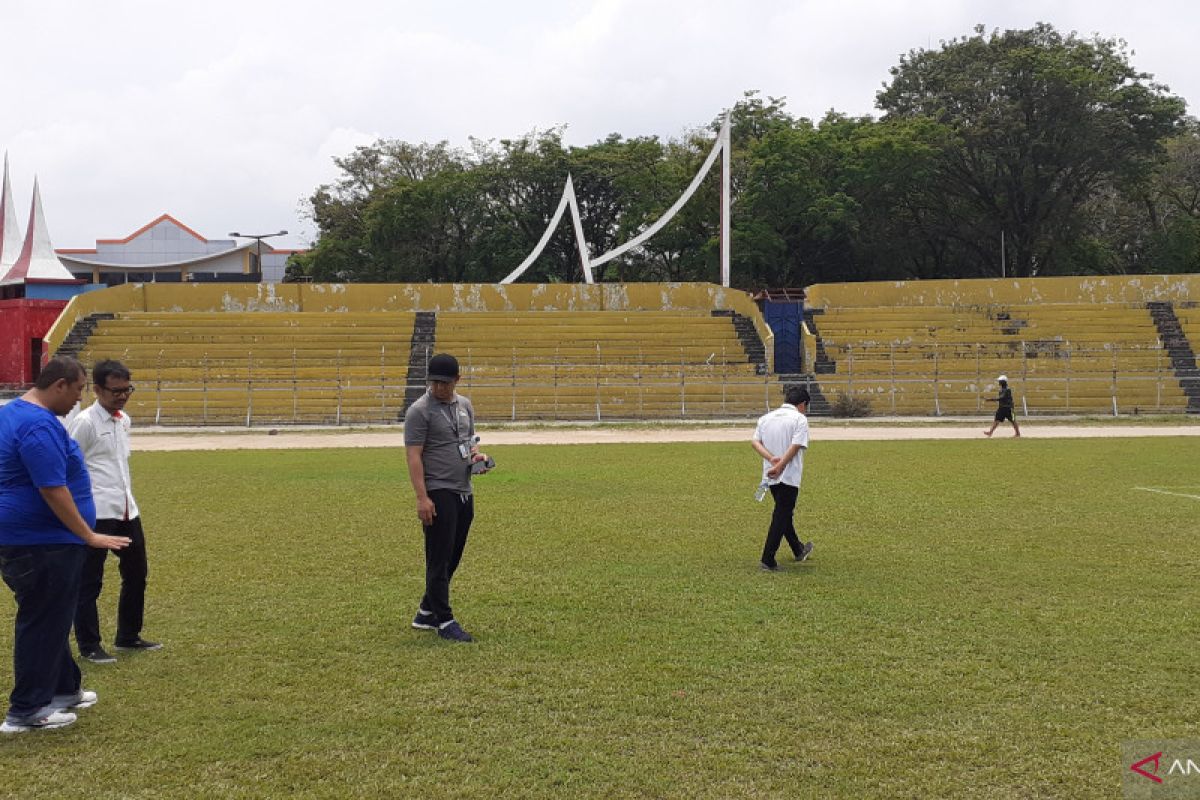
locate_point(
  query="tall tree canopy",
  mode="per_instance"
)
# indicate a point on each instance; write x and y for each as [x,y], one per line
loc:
[1039,123]
[1055,143]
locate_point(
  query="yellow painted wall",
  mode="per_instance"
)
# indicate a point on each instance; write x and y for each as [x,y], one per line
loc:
[1011,291]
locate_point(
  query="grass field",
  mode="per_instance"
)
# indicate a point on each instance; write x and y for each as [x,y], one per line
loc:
[979,619]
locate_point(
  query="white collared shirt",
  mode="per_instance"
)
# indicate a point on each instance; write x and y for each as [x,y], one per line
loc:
[778,430]
[104,440]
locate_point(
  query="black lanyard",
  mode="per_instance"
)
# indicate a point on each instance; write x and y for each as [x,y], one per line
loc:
[452,418]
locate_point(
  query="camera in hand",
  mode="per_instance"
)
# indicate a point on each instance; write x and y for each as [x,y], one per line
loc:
[483,466]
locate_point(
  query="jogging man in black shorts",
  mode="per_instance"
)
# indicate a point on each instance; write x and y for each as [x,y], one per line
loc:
[1005,409]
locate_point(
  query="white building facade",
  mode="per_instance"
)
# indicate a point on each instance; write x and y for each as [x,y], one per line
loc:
[167,251]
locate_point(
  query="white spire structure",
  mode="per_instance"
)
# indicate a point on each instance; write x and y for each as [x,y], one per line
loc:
[721,147]
[37,262]
[10,234]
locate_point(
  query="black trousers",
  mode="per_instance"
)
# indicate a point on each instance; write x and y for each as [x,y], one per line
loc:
[132,603]
[45,580]
[782,525]
[445,541]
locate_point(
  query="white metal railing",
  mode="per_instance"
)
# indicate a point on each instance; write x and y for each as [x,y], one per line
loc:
[1047,377]
[256,390]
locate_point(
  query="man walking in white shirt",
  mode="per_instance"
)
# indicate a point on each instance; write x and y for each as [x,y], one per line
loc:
[781,439]
[102,431]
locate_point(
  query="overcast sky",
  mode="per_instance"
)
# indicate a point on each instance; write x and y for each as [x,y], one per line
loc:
[227,115]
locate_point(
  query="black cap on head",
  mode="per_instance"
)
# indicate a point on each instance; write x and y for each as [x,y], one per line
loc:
[443,367]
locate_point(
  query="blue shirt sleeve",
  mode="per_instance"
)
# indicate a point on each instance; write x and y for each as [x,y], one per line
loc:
[42,452]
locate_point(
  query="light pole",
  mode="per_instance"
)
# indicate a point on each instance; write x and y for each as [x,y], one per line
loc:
[258,237]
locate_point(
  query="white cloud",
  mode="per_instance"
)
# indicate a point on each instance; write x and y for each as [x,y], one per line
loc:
[227,114]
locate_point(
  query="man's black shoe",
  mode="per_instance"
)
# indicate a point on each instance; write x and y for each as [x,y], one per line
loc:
[97,655]
[805,552]
[453,632]
[138,644]
[765,567]
[424,621]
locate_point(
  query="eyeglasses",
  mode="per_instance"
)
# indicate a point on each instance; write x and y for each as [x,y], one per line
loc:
[124,391]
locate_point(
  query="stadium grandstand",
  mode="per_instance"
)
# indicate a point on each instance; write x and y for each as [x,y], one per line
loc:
[1068,345]
[333,354]
[356,354]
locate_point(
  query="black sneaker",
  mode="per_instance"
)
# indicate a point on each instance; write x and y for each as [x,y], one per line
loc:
[805,552]
[97,655]
[765,567]
[424,621]
[139,644]
[453,632]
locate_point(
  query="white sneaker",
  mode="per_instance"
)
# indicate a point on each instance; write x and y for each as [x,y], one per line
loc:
[55,719]
[84,698]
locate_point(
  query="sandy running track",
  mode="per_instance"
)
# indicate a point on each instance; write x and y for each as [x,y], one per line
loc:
[822,430]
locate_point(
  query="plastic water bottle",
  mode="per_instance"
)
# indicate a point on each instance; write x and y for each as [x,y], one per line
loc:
[761,491]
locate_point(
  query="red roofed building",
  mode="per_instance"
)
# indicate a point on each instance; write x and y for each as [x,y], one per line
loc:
[37,281]
[34,288]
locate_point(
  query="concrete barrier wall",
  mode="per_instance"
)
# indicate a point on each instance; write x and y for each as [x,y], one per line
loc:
[128,297]
[1011,291]
[328,297]
[215,297]
[451,297]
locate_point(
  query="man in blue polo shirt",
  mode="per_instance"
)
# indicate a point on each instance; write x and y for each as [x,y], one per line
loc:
[46,519]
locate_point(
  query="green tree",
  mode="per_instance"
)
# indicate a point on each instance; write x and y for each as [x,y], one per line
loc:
[343,251]
[1152,223]
[1175,204]
[1040,121]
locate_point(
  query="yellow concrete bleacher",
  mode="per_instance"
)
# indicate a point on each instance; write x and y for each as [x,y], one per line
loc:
[1189,320]
[206,354]
[601,364]
[1059,357]
[313,367]
[230,367]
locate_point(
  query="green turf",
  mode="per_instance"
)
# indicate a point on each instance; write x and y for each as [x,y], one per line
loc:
[980,619]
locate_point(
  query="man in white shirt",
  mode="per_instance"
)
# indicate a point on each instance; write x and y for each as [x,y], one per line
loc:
[102,431]
[781,439]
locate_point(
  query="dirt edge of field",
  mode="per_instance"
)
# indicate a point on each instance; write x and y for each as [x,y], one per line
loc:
[282,439]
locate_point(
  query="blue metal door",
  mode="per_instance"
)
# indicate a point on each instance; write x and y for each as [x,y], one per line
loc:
[784,319]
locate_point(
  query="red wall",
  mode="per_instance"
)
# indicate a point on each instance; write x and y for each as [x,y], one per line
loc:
[20,321]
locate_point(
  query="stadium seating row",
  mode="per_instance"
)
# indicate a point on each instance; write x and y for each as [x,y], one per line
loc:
[320,367]
[1082,357]
[197,368]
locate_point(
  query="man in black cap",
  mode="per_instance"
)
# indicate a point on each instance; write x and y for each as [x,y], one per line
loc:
[441,446]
